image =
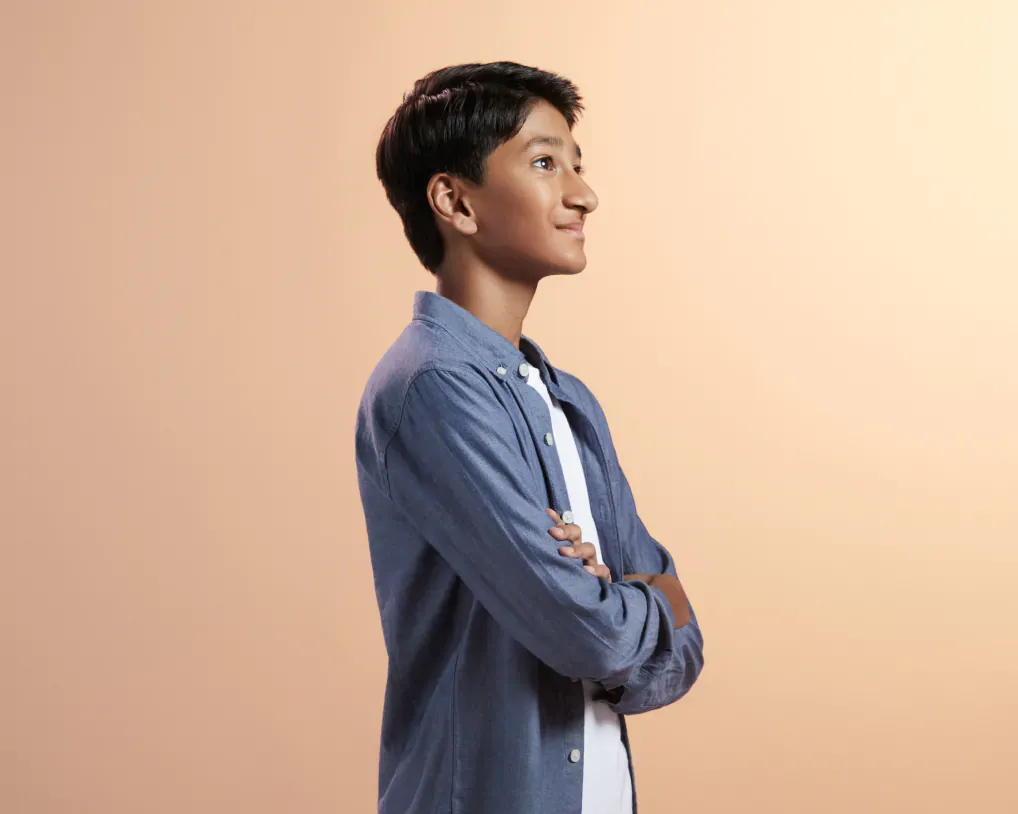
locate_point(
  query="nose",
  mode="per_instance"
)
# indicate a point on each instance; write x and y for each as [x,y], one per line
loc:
[578,193]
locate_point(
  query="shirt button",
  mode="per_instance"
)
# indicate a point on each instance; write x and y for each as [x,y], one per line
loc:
[524,370]
[567,517]
[574,756]
[549,439]
[500,371]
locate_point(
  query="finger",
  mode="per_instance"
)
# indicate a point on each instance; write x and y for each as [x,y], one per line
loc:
[585,551]
[567,532]
[599,571]
[573,533]
[556,530]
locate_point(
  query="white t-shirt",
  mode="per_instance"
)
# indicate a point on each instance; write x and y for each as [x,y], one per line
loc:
[607,784]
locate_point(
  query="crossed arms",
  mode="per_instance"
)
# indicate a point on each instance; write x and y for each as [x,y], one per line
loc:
[454,466]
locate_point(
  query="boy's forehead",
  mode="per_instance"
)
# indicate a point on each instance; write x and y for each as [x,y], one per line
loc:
[547,127]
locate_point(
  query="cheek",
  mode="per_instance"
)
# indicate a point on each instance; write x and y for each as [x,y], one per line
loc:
[517,204]
[528,217]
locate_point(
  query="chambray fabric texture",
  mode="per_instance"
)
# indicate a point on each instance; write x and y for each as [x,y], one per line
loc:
[488,629]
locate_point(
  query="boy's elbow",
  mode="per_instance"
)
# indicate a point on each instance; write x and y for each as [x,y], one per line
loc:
[588,646]
[591,644]
[665,678]
[606,655]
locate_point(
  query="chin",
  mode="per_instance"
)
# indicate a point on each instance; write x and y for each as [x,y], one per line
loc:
[560,266]
[573,264]
[577,266]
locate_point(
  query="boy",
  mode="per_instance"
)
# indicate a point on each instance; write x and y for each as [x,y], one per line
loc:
[515,648]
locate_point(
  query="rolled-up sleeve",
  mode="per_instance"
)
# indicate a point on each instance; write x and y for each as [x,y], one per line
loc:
[455,469]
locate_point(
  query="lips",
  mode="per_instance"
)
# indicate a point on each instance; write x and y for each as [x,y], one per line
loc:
[575,229]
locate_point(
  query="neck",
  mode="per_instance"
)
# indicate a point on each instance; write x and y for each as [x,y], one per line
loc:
[499,303]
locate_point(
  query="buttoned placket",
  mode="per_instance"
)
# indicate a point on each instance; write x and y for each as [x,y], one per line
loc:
[523,371]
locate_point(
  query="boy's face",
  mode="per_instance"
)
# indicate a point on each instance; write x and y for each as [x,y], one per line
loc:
[529,214]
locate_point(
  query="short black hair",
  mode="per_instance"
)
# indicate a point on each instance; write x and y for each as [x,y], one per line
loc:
[451,121]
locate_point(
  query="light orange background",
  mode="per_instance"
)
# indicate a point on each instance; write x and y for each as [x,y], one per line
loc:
[800,313]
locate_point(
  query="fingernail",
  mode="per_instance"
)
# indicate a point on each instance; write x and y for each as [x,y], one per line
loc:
[558,532]
[589,569]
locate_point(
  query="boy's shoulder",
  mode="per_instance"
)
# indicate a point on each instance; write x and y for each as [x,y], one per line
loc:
[421,346]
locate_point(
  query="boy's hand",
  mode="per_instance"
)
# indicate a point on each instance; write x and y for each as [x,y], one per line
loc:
[569,533]
[671,588]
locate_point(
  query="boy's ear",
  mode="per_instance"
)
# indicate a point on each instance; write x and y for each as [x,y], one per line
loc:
[449,200]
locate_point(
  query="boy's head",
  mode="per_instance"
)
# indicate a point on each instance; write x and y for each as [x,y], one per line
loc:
[480,163]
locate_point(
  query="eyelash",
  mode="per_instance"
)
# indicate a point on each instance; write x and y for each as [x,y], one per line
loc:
[579,170]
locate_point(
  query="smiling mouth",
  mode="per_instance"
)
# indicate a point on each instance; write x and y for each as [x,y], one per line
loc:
[575,231]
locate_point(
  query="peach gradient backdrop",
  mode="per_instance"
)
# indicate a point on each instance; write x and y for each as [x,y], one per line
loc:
[800,313]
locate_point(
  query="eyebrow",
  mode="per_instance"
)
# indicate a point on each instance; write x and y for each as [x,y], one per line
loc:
[554,141]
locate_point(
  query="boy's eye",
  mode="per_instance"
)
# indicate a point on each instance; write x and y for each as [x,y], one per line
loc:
[579,170]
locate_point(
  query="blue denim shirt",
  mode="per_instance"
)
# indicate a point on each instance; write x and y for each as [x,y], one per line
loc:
[488,628]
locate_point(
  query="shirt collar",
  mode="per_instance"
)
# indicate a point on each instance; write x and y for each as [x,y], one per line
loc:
[496,350]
